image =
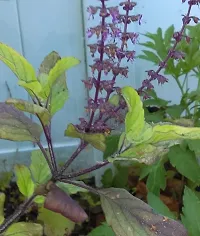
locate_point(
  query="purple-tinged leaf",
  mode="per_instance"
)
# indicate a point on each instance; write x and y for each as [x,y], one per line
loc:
[129,216]
[15,126]
[97,140]
[58,201]
[29,107]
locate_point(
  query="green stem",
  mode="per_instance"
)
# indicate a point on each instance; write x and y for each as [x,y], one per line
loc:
[198,89]
[182,92]
[93,190]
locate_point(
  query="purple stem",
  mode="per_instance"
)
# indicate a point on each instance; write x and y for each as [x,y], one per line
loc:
[46,157]
[162,65]
[47,134]
[101,61]
[73,157]
[79,149]
[50,146]
[18,212]
[119,62]
[85,171]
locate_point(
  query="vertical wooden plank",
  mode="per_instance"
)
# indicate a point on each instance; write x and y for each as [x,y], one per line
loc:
[10,35]
[57,25]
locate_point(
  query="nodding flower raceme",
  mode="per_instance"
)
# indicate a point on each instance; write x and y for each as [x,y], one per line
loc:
[112,46]
[172,53]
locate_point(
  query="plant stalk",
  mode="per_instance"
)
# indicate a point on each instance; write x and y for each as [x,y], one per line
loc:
[162,65]
[93,190]
[182,93]
[73,157]
[18,212]
[100,72]
[85,171]
[119,62]
[46,157]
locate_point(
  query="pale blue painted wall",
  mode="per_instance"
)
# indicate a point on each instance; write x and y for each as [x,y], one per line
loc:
[35,28]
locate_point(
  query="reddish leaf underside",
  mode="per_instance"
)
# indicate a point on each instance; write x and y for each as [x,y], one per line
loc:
[58,201]
[15,126]
[129,216]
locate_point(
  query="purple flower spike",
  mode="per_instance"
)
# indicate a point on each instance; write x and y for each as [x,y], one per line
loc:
[89,33]
[92,11]
[114,12]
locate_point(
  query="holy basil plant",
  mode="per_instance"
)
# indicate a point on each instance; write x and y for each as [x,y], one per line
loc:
[49,186]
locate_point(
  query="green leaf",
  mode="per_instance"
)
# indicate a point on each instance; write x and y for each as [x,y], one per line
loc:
[31,108]
[39,199]
[59,94]
[194,145]
[24,180]
[168,36]
[152,93]
[107,178]
[96,140]
[191,212]
[15,126]
[145,171]
[154,117]
[134,121]
[195,59]
[167,132]
[173,68]
[39,168]
[148,44]
[93,200]
[175,111]
[155,102]
[59,91]
[129,216]
[150,56]
[2,201]
[160,47]
[20,67]
[111,143]
[55,224]
[70,188]
[158,205]
[156,179]
[114,100]
[24,229]
[5,178]
[151,36]
[60,67]
[47,64]
[120,178]
[143,153]
[181,122]
[185,162]
[102,230]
